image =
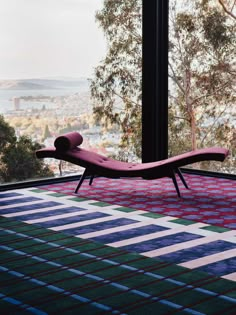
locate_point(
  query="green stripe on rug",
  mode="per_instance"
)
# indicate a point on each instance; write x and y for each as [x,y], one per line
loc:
[48,272]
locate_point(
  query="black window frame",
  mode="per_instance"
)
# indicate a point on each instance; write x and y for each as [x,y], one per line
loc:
[155,80]
[155,86]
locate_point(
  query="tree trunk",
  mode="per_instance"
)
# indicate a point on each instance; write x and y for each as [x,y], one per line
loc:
[190,108]
[193,130]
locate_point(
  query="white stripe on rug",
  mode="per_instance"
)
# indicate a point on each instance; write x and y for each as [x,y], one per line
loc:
[230,276]
[200,241]
[155,235]
[196,263]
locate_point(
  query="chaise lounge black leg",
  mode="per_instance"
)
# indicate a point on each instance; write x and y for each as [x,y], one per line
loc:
[91,179]
[175,184]
[181,177]
[82,178]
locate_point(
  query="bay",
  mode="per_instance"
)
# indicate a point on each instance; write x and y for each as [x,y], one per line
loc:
[7,96]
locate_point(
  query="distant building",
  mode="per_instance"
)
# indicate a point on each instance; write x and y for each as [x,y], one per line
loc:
[16,101]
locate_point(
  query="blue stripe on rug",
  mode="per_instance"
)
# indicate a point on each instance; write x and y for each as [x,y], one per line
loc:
[9,195]
[161,242]
[76,219]
[129,233]
[31,207]
[99,226]
[49,213]
[19,200]
[198,251]
[220,268]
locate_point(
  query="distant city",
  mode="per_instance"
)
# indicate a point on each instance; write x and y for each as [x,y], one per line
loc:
[44,108]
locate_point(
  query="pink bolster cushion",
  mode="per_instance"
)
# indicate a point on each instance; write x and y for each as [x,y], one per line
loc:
[68,141]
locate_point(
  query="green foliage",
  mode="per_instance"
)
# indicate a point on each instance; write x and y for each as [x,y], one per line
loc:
[201,74]
[17,157]
[201,70]
[216,30]
[116,86]
[184,22]
[7,133]
[46,133]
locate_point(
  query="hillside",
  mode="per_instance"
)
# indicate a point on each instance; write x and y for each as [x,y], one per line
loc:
[42,84]
[20,85]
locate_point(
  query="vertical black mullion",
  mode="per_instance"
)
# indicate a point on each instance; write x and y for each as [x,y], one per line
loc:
[162,74]
[149,80]
[155,81]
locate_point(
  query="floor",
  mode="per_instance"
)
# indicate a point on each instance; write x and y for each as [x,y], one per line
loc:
[196,232]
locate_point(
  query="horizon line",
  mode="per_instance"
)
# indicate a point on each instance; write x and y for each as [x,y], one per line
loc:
[45,78]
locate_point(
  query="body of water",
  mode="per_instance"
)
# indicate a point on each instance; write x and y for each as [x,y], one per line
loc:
[7,102]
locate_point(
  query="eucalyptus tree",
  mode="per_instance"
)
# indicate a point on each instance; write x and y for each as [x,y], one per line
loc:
[201,73]
[116,86]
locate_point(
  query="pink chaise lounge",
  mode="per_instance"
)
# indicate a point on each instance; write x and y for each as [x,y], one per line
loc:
[67,148]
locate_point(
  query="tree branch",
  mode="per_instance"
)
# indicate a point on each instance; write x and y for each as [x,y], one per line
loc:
[220,88]
[229,12]
[174,78]
[178,117]
[213,124]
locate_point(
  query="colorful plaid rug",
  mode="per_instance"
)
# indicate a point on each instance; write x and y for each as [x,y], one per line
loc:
[60,253]
[209,200]
[188,243]
[47,272]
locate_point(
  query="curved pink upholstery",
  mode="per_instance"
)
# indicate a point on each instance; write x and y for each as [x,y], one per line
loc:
[66,148]
[69,141]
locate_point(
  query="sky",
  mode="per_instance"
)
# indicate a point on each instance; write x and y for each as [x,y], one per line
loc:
[49,38]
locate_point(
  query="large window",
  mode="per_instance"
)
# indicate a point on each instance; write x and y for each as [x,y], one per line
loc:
[202,110]
[90,66]
[68,66]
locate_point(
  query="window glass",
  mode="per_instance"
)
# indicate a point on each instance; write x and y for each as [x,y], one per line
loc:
[64,68]
[202,60]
